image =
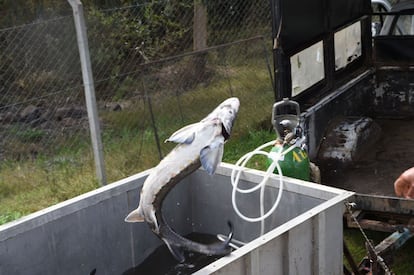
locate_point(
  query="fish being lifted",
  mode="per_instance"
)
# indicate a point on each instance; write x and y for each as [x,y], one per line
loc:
[199,144]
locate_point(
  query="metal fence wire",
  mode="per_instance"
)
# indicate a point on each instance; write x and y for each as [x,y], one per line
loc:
[157,66]
[41,100]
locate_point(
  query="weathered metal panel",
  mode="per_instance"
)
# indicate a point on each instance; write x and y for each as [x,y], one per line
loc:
[384,204]
[300,249]
[352,99]
[326,242]
[386,92]
[307,243]
[393,94]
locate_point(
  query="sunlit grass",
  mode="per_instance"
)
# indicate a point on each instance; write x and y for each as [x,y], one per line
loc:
[34,185]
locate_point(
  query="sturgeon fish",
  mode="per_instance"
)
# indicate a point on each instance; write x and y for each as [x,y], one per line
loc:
[199,144]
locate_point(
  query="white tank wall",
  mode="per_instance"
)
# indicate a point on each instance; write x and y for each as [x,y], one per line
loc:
[88,232]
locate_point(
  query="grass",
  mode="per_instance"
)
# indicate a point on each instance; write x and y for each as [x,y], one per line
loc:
[34,185]
[403,257]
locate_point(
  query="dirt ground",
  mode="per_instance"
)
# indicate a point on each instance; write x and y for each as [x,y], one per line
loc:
[377,170]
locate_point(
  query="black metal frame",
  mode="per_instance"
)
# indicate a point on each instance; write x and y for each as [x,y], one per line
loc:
[283,49]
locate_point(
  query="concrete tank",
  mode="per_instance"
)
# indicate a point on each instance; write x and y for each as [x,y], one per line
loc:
[303,236]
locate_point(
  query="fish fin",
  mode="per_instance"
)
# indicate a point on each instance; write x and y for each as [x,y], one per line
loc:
[135,216]
[175,250]
[211,155]
[184,135]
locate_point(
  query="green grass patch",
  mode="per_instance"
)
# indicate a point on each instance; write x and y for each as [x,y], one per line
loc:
[402,260]
[10,216]
[234,149]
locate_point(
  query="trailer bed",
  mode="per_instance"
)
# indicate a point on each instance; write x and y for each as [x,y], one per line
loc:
[375,172]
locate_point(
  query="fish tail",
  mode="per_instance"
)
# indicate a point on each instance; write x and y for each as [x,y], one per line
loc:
[177,244]
[176,250]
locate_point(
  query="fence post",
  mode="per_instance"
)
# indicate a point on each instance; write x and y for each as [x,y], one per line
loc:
[200,26]
[89,89]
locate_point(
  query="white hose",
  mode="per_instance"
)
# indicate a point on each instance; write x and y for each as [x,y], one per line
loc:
[235,178]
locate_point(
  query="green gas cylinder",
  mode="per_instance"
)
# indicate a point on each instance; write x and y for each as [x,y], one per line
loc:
[294,164]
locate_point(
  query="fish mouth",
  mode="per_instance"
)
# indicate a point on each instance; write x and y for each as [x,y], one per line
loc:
[224,132]
[232,104]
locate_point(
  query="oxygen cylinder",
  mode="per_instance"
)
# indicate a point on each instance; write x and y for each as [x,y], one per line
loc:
[294,164]
[285,120]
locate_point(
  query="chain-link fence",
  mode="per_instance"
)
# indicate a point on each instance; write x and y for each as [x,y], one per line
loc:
[41,96]
[157,66]
[168,94]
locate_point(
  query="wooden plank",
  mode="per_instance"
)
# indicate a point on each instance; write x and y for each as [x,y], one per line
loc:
[379,221]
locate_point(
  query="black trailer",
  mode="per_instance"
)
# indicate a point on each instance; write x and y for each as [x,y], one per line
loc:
[356,93]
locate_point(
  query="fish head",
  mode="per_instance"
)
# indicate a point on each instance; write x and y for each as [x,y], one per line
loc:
[226,112]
